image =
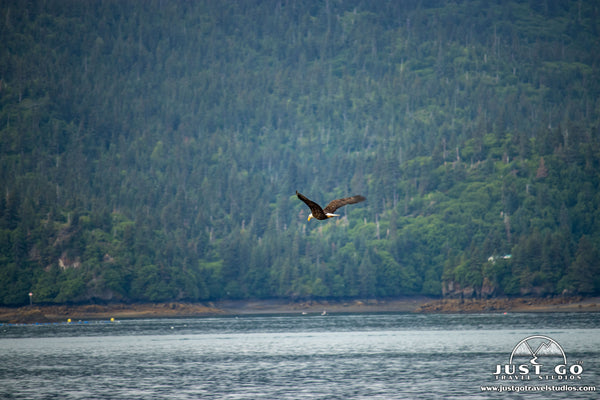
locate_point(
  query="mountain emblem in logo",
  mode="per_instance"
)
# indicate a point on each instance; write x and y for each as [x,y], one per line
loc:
[538,346]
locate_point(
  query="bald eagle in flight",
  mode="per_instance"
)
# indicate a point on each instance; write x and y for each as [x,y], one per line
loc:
[327,212]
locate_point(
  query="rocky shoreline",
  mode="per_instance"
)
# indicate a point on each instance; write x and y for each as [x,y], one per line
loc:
[554,304]
[64,313]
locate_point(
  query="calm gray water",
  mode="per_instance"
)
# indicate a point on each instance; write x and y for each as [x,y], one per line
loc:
[363,356]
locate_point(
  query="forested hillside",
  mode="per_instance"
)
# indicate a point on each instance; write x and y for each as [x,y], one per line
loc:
[151,150]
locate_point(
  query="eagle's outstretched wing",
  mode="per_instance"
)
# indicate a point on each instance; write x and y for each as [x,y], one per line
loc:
[335,204]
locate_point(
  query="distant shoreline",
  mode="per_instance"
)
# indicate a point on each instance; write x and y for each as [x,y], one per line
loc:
[64,313]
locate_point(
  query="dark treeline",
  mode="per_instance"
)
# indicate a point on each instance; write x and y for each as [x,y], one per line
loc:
[150,151]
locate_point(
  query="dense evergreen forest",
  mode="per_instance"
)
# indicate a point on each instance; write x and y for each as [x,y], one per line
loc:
[151,150]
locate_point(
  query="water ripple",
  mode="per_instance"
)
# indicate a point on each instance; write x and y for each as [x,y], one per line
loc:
[384,356]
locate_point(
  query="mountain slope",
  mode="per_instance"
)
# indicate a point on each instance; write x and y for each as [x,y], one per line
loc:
[152,152]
